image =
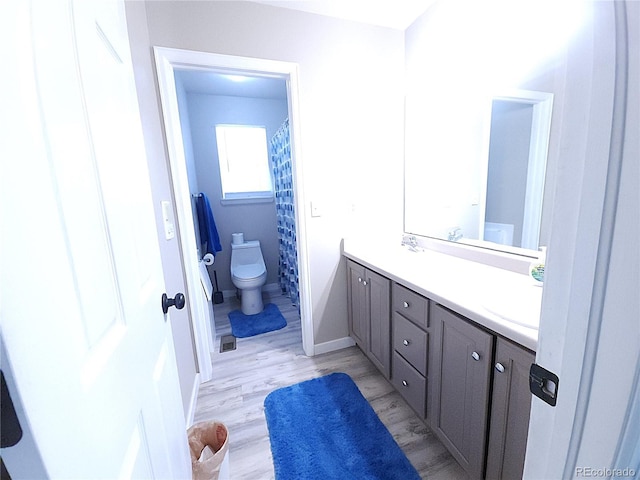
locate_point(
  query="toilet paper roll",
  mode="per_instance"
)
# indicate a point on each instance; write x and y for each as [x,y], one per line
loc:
[237,238]
[208,259]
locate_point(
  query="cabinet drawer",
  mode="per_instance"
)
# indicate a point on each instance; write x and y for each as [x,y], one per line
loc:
[411,385]
[410,305]
[411,342]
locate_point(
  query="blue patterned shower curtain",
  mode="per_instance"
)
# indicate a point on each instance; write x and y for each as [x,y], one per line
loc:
[285,212]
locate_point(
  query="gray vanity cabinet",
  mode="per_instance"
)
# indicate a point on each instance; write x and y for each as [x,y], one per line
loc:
[444,366]
[461,376]
[369,300]
[510,406]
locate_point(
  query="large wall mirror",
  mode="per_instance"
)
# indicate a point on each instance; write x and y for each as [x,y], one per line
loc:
[483,111]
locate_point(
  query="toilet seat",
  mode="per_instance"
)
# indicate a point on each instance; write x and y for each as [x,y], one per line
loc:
[248,272]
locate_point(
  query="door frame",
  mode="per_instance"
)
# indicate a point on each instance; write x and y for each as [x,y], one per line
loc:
[168,60]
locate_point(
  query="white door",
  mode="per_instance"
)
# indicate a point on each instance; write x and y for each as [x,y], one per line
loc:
[88,344]
[590,328]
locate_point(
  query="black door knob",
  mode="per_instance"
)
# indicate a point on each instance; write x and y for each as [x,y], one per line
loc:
[177,302]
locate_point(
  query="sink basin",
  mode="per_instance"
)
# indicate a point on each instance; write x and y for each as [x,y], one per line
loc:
[519,304]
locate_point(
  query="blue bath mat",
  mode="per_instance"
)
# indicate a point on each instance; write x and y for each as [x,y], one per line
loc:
[267,320]
[325,429]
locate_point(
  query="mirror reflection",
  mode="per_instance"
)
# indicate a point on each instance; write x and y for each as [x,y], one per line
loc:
[483,97]
[518,144]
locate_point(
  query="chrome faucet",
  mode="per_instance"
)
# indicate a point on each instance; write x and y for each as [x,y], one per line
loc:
[411,241]
[454,234]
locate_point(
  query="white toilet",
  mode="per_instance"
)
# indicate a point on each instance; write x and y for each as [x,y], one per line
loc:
[249,274]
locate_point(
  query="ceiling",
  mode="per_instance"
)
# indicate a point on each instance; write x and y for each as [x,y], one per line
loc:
[398,14]
[214,83]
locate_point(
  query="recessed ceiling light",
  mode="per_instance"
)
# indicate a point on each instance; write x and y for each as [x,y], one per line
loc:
[237,78]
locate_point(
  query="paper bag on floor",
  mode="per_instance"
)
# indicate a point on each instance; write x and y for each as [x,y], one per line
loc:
[208,444]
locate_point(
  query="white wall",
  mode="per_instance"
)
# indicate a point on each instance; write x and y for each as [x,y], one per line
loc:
[257,221]
[351,113]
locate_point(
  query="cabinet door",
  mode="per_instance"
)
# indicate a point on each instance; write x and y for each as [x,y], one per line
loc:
[462,357]
[510,406]
[356,297]
[378,289]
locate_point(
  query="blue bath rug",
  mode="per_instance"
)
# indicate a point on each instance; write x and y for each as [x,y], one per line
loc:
[267,320]
[325,429]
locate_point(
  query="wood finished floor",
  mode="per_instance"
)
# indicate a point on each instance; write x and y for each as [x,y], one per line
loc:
[244,377]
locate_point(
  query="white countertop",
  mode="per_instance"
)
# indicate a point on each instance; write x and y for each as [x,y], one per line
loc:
[503,301]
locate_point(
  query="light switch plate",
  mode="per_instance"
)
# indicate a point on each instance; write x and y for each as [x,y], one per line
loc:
[315,209]
[169,227]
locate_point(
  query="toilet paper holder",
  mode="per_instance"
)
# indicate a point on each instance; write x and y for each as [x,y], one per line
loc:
[208,259]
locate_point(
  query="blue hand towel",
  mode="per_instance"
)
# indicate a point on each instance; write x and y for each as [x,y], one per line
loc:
[209,237]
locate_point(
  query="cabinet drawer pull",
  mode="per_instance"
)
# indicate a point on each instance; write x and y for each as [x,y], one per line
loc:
[364,283]
[475,356]
[405,383]
[360,279]
[405,304]
[499,367]
[405,342]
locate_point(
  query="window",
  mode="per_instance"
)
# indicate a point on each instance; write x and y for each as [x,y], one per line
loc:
[244,162]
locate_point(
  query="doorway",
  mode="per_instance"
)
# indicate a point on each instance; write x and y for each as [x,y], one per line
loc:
[210,102]
[171,61]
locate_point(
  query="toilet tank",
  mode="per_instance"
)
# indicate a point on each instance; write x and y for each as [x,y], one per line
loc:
[246,253]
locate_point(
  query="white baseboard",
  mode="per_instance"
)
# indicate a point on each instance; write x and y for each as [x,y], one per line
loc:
[191,412]
[228,293]
[271,288]
[333,345]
